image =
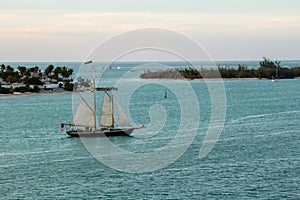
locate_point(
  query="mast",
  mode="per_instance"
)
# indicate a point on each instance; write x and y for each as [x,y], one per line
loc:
[106,118]
[94,90]
[112,105]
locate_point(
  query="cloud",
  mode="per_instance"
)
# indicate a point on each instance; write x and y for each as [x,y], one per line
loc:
[125,21]
[50,23]
[47,23]
[81,30]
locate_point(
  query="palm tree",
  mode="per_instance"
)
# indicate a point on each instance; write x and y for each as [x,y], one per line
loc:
[57,72]
[49,70]
[70,72]
[22,70]
[64,72]
[2,68]
[9,69]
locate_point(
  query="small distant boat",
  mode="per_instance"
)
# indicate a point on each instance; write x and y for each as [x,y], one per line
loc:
[88,62]
[84,122]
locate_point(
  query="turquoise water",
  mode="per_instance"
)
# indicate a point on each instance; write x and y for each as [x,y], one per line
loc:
[256,156]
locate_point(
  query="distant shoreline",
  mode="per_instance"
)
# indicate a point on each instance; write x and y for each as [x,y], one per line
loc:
[157,79]
[212,79]
[34,93]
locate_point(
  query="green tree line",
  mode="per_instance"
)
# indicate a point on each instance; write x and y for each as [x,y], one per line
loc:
[34,76]
[267,70]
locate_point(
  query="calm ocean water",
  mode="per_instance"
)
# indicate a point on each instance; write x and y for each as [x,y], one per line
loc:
[256,156]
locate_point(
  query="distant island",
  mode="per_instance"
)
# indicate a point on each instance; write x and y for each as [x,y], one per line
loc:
[267,70]
[34,80]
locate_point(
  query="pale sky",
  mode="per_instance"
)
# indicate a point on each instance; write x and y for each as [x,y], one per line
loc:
[67,30]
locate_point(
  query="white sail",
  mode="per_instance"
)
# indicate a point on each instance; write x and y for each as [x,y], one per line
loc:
[106,115]
[122,119]
[84,115]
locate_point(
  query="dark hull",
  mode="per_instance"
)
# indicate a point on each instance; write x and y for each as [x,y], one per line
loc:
[100,133]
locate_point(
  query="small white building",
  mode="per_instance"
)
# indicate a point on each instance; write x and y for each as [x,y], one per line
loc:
[13,85]
[50,86]
[16,85]
[2,82]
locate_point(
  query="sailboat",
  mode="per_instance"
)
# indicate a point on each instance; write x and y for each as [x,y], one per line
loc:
[84,122]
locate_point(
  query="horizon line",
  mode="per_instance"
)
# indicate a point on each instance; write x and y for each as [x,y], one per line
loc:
[126,61]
